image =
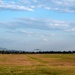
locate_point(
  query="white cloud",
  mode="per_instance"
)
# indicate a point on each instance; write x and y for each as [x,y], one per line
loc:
[70,30]
[62,5]
[29,33]
[22,31]
[45,39]
[30,5]
[41,24]
[13,6]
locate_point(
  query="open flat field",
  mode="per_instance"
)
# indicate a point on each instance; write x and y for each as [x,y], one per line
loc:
[37,64]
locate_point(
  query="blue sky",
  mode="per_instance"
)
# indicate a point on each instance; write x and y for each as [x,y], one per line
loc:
[31,24]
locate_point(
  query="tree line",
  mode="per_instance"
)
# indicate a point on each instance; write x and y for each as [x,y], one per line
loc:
[33,52]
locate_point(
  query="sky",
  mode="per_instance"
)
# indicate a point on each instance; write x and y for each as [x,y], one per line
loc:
[37,24]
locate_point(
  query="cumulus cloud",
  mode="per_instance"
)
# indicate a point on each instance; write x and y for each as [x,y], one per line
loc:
[30,5]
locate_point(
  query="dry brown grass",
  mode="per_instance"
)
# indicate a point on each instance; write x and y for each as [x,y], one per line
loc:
[37,64]
[35,59]
[16,60]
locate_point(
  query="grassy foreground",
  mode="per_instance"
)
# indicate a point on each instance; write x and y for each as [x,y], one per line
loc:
[37,64]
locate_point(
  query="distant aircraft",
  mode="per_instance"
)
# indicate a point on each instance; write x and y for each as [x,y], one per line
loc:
[37,49]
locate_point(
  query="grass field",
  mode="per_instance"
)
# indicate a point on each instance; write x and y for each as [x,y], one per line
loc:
[37,64]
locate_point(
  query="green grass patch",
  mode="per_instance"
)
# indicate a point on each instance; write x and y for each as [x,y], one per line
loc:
[36,70]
